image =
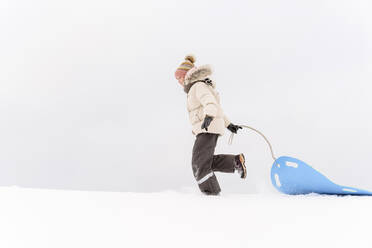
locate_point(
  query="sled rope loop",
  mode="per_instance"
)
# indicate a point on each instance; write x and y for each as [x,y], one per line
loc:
[263,136]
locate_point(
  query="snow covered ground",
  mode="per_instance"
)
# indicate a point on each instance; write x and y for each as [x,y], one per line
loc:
[56,218]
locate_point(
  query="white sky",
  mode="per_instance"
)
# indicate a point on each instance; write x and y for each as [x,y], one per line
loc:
[88,99]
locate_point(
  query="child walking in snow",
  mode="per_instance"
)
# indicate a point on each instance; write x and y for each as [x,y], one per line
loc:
[208,123]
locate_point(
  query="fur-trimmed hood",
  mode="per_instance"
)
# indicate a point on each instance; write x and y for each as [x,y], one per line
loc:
[197,73]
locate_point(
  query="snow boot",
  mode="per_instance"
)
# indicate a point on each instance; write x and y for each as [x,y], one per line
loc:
[240,165]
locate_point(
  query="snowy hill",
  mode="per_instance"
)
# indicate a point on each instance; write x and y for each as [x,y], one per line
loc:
[56,218]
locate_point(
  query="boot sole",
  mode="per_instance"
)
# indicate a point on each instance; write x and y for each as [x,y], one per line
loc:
[242,161]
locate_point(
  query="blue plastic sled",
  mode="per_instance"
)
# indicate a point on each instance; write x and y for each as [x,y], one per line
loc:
[292,176]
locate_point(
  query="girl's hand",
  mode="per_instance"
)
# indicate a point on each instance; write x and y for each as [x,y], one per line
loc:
[234,128]
[207,121]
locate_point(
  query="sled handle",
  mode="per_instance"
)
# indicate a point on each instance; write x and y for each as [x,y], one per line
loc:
[263,136]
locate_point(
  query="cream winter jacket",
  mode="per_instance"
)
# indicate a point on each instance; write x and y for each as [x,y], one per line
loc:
[202,100]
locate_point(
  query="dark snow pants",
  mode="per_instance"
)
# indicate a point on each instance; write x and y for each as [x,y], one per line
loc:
[205,163]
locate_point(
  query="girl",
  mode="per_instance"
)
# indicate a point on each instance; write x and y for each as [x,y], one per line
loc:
[208,123]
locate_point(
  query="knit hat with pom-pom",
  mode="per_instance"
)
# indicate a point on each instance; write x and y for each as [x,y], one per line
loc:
[185,66]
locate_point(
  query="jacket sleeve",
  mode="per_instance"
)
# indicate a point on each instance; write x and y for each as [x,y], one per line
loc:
[207,99]
[226,120]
